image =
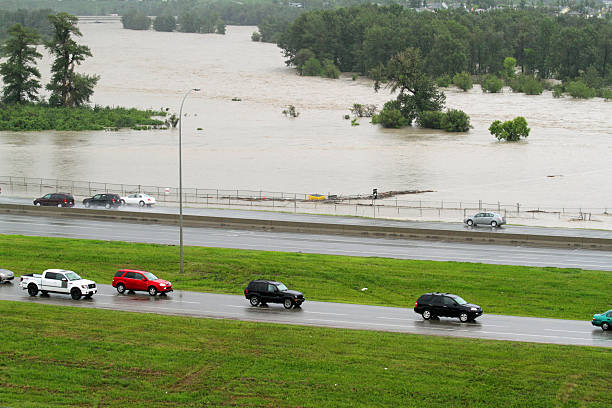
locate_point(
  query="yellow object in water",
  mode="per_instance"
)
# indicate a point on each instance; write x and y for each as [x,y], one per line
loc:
[316,197]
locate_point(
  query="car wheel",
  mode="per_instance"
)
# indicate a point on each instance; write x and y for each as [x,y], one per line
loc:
[120,288]
[37,204]
[426,314]
[107,205]
[464,317]
[152,290]
[470,223]
[75,294]
[32,289]
[254,301]
[60,205]
[288,303]
[86,204]
[605,326]
[87,296]
[123,202]
[141,204]
[494,224]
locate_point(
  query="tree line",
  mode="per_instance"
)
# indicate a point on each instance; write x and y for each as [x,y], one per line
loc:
[22,108]
[364,38]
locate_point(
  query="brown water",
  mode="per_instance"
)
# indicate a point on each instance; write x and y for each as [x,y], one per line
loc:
[251,145]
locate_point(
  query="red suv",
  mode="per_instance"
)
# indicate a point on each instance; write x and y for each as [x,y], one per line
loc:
[128,279]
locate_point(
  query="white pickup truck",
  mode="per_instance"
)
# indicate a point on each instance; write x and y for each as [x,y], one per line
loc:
[58,281]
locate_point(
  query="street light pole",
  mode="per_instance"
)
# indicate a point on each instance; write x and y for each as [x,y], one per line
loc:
[181,174]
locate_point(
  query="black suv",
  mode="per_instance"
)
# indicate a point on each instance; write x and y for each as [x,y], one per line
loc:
[103,200]
[56,200]
[260,292]
[433,305]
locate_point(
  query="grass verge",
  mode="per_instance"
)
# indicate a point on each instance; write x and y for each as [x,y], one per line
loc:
[512,290]
[67,356]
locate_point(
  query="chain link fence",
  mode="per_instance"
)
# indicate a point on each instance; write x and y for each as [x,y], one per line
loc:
[361,205]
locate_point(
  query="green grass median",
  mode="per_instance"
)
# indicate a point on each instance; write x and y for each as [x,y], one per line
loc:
[511,290]
[68,356]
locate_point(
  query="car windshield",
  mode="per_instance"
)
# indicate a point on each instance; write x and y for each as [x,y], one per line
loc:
[459,300]
[72,276]
[281,287]
[150,276]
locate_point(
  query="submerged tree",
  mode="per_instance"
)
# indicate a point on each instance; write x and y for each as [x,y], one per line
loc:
[67,87]
[19,72]
[510,130]
[417,91]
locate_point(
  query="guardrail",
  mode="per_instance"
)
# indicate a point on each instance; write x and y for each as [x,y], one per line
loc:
[394,206]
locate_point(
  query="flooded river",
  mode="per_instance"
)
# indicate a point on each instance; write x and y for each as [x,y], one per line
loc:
[250,144]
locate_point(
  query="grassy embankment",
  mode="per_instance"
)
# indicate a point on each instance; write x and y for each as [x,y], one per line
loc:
[41,117]
[66,356]
[512,290]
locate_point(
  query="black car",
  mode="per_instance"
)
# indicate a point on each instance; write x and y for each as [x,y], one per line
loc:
[433,305]
[56,200]
[103,200]
[260,292]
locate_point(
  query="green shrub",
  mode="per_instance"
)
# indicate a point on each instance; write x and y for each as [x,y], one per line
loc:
[455,120]
[557,91]
[606,94]
[578,89]
[391,116]
[463,81]
[492,84]
[430,119]
[44,117]
[312,67]
[329,70]
[444,81]
[527,84]
[256,36]
[511,130]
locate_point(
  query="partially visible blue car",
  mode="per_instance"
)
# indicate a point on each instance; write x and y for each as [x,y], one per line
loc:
[603,320]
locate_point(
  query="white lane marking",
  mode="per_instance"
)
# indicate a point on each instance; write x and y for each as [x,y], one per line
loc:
[328,313]
[565,331]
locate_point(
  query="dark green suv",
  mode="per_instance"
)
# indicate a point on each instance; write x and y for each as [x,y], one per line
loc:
[603,320]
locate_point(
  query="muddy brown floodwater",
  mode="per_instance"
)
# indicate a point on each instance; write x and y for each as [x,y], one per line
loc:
[249,144]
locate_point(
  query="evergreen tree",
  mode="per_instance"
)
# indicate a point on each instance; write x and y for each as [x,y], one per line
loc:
[19,72]
[67,87]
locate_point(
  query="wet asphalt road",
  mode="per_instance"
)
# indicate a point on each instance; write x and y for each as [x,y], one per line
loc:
[337,315]
[283,216]
[307,243]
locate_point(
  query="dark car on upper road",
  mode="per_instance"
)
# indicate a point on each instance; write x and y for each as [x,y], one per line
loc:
[56,200]
[434,305]
[261,292]
[603,320]
[132,280]
[105,200]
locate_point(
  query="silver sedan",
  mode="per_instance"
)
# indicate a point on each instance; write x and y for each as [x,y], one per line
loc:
[487,218]
[6,275]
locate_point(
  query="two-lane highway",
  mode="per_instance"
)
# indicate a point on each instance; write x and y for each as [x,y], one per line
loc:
[307,243]
[338,315]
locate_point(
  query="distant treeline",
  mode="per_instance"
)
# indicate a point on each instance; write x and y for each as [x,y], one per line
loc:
[36,19]
[364,38]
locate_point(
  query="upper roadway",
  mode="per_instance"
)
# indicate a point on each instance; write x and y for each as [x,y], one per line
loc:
[121,230]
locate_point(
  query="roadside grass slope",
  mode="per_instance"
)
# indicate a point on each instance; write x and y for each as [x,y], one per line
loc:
[68,356]
[512,290]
